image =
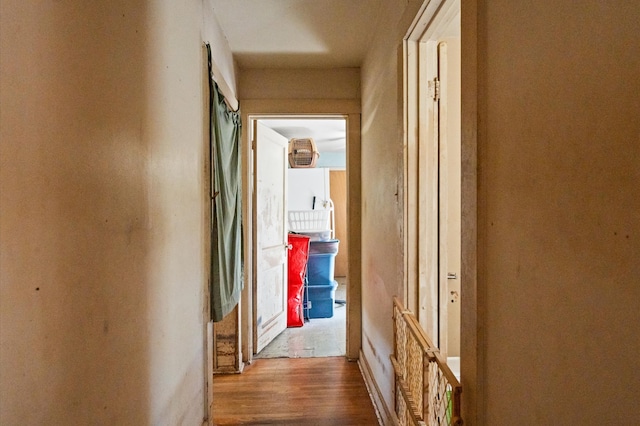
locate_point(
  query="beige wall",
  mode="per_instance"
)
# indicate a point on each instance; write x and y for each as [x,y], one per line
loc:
[102,229]
[382,182]
[559,196]
[296,83]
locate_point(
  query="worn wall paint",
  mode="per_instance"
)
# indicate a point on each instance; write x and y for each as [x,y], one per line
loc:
[226,344]
[102,263]
[559,152]
[382,181]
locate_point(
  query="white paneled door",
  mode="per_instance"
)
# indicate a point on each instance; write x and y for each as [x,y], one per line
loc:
[270,291]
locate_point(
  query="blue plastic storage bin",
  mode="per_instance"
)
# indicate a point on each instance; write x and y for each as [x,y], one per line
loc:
[321,287]
[320,268]
[322,298]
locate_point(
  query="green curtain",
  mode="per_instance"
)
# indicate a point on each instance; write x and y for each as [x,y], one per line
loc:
[226,203]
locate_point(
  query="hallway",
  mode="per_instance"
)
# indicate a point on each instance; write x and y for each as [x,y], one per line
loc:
[310,391]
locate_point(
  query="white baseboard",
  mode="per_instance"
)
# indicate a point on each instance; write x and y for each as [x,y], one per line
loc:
[386,417]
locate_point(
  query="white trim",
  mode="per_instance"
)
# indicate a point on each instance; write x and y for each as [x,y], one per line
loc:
[385,416]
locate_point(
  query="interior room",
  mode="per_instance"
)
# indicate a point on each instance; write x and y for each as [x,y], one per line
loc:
[318,185]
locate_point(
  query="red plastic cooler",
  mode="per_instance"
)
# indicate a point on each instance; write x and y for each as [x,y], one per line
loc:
[298,256]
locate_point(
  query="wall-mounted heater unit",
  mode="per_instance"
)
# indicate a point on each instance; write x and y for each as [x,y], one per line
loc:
[303,153]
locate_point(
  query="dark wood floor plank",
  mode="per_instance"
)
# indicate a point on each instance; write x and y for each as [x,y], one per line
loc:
[296,391]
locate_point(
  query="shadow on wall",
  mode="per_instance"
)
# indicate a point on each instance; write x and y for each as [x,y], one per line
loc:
[76,222]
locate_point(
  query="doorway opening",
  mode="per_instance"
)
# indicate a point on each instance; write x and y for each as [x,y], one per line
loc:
[433,218]
[311,190]
[323,187]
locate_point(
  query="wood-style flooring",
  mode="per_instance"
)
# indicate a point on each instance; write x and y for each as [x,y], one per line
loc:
[294,391]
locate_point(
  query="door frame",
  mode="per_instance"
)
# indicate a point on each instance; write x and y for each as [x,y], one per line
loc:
[278,108]
[420,193]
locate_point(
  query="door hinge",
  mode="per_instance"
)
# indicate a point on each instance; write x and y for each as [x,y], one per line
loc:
[434,89]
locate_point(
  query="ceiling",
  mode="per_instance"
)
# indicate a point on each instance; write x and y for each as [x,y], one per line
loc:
[329,135]
[300,34]
[297,33]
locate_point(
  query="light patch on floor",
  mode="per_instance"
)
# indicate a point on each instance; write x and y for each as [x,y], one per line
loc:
[318,337]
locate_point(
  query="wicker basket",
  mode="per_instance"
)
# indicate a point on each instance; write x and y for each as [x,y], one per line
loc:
[303,153]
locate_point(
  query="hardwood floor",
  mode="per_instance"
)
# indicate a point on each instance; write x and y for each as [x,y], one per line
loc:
[294,391]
